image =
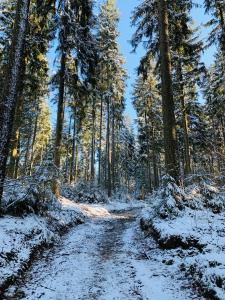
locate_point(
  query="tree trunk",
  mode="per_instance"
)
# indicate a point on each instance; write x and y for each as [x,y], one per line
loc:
[13,152]
[10,90]
[93,142]
[113,148]
[100,144]
[72,167]
[187,158]
[222,24]
[67,151]
[154,161]
[169,123]
[17,159]
[32,145]
[27,152]
[76,163]
[17,123]
[109,180]
[60,120]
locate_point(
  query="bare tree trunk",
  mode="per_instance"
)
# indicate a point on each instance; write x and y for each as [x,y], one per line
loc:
[67,151]
[27,152]
[17,159]
[10,90]
[222,24]
[32,145]
[17,123]
[113,148]
[87,171]
[187,158]
[72,167]
[76,163]
[60,120]
[154,160]
[13,152]
[93,142]
[100,144]
[169,123]
[159,168]
[149,175]
[109,180]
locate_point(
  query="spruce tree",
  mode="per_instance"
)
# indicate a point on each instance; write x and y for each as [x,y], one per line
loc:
[146,100]
[11,83]
[152,21]
[112,82]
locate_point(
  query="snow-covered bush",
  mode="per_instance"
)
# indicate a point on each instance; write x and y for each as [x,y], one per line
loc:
[206,193]
[122,196]
[165,203]
[31,193]
[172,198]
[84,192]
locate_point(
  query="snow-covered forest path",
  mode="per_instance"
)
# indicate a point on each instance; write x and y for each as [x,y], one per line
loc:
[106,258]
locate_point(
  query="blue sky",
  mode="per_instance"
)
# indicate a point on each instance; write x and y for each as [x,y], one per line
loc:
[125,8]
[132,59]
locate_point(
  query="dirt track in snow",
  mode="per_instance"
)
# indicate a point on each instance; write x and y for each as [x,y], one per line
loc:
[106,258]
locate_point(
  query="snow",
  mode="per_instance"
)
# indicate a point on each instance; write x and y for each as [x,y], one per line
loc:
[109,257]
[102,259]
[208,230]
[94,210]
[20,237]
[120,206]
[192,235]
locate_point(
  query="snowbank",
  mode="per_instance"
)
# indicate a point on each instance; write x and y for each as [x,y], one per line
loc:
[193,221]
[22,237]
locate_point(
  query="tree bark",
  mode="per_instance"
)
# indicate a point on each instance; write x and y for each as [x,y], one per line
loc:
[187,158]
[60,120]
[100,144]
[17,123]
[32,145]
[109,179]
[17,159]
[93,142]
[222,24]
[169,123]
[27,153]
[154,161]
[72,167]
[113,148]
[67,151]
[10,90]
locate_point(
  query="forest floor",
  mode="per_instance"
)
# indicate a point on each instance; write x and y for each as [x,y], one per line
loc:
[106,258]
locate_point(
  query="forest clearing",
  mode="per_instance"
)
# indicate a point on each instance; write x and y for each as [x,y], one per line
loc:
[112,149]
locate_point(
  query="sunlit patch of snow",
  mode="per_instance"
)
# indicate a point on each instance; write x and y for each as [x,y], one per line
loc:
[91,210]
